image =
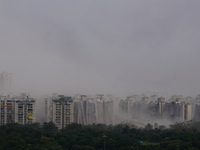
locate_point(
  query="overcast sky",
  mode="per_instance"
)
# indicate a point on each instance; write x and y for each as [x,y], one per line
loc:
[99,46]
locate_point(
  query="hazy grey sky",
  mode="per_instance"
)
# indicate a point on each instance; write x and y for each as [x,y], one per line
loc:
[90,46]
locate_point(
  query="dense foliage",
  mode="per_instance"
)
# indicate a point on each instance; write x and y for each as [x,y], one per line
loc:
[98,137]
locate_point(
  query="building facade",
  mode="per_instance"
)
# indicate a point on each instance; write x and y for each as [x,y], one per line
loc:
[62,111]
[20,109]
[59,110]
[93,111]
[7,110]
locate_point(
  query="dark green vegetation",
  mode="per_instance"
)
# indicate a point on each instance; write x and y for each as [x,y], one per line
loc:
[97,137]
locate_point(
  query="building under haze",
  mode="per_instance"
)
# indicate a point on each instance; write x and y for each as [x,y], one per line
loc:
[126,105]
[64,110]
[25,109]
[49,107]
[6,82]
[80,97]
[93,111]
[7,111]
[176,110]
[196,117]
[159,106]
[19,109]
[59,110]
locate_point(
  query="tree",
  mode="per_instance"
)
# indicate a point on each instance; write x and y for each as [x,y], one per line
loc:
[149,126]
[50,126]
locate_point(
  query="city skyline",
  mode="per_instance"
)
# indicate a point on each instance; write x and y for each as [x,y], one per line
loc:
[63,110]
[101,46]
[99,74]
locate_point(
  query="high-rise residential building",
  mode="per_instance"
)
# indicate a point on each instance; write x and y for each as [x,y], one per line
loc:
[160,109]
[59,110]
[80,111]
[145,99]
[126,105]
[187,112]
[80,97]
[100,96]
[7,110]
[183,111]
[122,106]
[159,106]
[93,111]
[108,112]
[20,109]
[177,110]
[62,111]
[7,82]
[196,117]
[25,109]
[48,107]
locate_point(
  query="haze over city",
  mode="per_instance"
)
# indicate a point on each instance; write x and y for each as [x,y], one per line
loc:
[99,74]
[88,47]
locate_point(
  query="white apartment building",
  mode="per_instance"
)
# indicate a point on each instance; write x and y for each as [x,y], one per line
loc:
[188,112]
[7,110]
[62,111]
[159,106]
[19,109]
[48,107]
[93,111]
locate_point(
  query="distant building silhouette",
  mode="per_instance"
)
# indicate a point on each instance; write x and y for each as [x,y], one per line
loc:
[7,82]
